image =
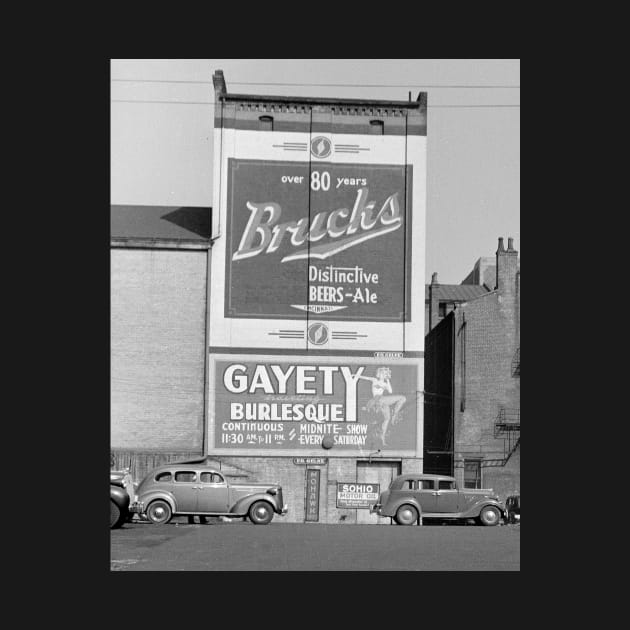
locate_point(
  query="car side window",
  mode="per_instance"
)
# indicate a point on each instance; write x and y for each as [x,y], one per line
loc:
[164,476]
[425,484]
[185,476]
[208,477]
[446,485]
[408,485]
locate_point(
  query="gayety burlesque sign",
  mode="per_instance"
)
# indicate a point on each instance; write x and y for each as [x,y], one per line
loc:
[286,404]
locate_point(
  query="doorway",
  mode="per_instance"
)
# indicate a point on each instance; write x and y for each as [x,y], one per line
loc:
[381,473]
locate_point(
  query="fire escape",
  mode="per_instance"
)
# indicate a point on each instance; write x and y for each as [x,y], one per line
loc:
[507,426]
[508,423]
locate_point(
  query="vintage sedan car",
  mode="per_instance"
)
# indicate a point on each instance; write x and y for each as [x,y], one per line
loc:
[196,489]
[410,498]
[120,485]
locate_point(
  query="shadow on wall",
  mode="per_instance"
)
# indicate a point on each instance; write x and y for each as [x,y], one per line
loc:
[195,220]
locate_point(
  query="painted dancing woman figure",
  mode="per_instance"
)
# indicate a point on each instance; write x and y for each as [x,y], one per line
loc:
[382,401]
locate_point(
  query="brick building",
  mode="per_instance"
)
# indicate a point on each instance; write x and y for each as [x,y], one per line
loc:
[441,299]
[472,384]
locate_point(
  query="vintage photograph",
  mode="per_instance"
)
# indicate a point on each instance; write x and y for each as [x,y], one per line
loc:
[315,315]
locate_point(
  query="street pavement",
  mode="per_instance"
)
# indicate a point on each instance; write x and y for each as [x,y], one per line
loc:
[242,546]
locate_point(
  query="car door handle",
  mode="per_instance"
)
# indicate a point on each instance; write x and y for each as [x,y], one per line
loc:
[435,494]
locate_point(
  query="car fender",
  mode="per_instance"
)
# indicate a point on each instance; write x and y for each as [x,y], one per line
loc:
[149,497]
[392,507]
[242,505]
[119,496]
[475,510]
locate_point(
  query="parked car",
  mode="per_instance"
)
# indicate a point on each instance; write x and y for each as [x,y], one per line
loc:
[513,507]
[197,489]
[120,487]
[410,498]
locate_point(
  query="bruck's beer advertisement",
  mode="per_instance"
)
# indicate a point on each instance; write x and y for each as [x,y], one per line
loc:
[319,242]
[337,249]
[355,405]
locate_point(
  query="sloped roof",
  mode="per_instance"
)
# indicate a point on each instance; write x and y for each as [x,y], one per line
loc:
[160,222]
[456,292]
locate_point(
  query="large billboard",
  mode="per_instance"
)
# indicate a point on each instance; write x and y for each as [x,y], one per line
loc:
[296,405]
[339,249]
[318,240]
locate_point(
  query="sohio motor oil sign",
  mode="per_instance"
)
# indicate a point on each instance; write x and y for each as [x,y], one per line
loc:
[279,405]
[332,240]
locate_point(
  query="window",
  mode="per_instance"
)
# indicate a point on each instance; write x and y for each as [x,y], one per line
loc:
[446,485]
[266,123]
[208,477]
[164,476]
[376,127]
[442,309]
[185,476]
[426,484]
[472,473]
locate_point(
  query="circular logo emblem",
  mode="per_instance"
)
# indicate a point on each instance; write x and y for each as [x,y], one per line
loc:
[321,147]
[318,334]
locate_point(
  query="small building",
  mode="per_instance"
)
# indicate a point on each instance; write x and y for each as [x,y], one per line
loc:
[472,383]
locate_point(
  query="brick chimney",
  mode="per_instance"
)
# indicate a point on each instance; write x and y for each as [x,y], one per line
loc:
[434,302]
[219,91]
[218,80]
[507,266]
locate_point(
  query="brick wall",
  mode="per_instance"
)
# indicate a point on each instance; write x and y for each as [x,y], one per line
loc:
[158,301]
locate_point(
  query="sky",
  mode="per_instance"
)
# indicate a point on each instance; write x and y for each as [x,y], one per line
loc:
[161,152]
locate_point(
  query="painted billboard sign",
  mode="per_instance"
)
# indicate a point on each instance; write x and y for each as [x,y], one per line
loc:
[339,248]
[354,495]
[289,405]
[319,239]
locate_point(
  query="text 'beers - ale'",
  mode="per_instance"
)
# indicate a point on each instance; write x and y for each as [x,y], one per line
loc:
[345,228]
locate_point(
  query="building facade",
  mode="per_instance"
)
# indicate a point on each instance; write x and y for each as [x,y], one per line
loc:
[472,385]
[267,336]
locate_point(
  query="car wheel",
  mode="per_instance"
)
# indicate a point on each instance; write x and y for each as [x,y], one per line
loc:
[159,512]
[260,513]
[489,516]
[406,515]
[114,519]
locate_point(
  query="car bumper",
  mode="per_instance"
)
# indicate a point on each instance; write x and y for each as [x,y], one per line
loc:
[377,508]
[284,510]
[137,507]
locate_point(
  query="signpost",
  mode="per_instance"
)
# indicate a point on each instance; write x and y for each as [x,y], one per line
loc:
[312,495]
